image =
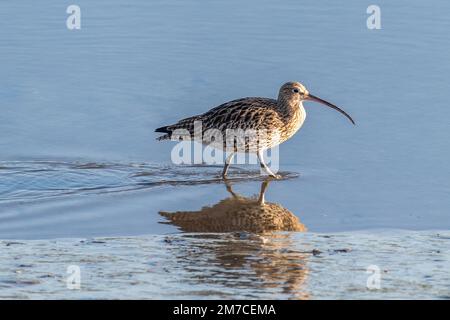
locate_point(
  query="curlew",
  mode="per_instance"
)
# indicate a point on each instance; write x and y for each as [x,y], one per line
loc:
[270,121]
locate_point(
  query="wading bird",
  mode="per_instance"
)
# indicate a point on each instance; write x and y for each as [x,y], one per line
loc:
[273,121]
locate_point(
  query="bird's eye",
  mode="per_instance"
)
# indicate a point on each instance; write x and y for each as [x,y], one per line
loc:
[295,90]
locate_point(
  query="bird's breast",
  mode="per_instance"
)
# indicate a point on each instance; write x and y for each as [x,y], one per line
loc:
[293,123]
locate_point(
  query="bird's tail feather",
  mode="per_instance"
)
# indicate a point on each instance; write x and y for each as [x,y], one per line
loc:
[164,129]
[163,137]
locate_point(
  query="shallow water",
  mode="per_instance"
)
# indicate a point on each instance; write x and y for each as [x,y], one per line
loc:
[78,157]
[25,181]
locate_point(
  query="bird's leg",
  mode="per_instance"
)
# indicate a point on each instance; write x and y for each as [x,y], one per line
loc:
[265,167]
[229,189]
[264,186]
[227,164]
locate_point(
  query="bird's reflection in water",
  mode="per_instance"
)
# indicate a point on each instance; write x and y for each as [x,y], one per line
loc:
[237,213]
[237,248]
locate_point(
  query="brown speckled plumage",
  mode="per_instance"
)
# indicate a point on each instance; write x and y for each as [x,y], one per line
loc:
[283,117]
[269,121]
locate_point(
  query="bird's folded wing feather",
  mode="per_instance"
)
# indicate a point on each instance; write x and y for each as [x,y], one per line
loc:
[245,113]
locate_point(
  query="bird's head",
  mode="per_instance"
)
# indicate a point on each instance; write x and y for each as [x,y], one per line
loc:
[293,93]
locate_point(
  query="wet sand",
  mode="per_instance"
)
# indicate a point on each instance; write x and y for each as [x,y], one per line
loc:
[413,265]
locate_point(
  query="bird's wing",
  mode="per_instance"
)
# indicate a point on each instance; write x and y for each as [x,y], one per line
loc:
[245,113]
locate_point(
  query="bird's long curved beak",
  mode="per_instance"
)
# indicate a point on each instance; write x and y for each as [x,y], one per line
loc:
[332,106]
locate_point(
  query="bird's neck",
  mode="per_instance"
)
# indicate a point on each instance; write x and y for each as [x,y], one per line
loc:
[291,110]
[293,116]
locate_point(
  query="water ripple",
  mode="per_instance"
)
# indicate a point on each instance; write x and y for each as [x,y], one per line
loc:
[33,180]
